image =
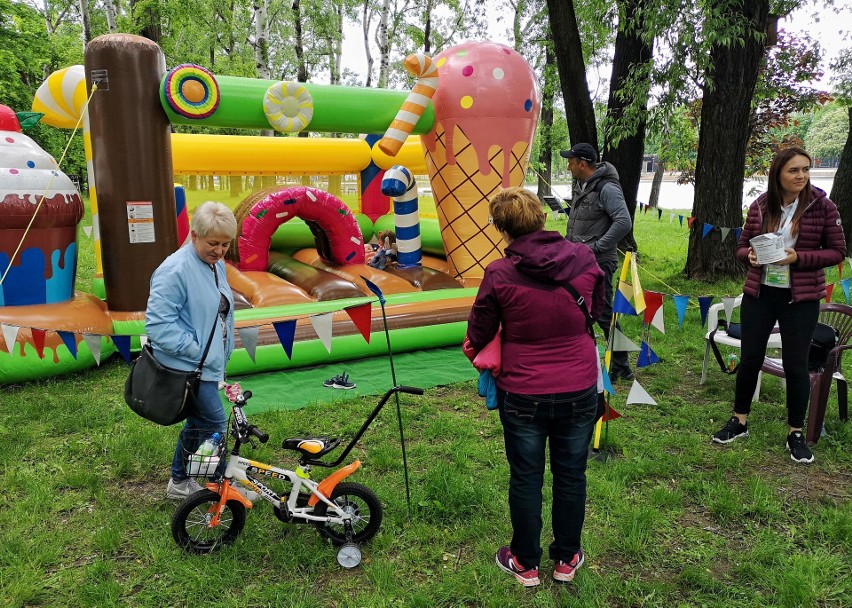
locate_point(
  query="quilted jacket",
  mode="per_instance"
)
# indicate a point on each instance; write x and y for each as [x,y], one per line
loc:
[820,244]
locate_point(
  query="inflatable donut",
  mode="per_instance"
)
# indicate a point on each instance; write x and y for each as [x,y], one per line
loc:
[288,107]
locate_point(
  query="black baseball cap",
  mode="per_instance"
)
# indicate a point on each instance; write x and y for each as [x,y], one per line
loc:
[582,151]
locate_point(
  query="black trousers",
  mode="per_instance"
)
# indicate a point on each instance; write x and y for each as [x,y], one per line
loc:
[796,321]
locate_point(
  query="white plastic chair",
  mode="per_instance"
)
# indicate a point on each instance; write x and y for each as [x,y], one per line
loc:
[722,337]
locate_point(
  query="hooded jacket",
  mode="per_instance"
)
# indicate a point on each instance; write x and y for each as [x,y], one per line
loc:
[546,347]
[820,244]
[599,216]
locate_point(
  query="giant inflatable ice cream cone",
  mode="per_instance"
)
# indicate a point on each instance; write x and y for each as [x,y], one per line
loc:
[486,109]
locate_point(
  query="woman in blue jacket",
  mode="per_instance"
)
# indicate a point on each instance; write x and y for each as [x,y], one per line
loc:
[189,299]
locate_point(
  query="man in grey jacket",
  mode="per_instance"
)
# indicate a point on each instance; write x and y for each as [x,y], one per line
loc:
[599,218]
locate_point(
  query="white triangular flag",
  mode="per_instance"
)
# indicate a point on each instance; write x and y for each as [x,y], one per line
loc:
[725,232]
[88,231]
[93,341]
[620,343]
[658,320]
[10,334]
[322,325]
[639,395]
[671,218]
[249,337]
[143,340]
[728,303]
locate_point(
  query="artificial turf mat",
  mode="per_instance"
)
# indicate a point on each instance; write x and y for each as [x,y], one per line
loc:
[296,388]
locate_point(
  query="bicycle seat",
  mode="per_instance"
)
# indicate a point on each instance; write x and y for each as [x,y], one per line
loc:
[311,447]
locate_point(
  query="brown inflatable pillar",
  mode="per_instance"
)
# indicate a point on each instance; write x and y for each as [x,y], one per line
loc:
[132,156]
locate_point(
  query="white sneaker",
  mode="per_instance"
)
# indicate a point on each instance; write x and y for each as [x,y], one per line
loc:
[178,490]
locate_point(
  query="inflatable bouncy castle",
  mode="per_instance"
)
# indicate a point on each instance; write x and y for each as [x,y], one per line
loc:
[299,257]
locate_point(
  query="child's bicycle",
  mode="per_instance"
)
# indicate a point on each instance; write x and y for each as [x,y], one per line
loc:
[346,513]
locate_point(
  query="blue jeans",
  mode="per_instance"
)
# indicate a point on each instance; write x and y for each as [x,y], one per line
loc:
[567,420]
[208,417]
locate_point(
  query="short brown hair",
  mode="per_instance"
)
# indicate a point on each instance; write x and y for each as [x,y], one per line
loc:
[516,211]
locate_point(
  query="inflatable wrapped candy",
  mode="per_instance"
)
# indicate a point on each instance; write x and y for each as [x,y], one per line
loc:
[486,110]
[39,263]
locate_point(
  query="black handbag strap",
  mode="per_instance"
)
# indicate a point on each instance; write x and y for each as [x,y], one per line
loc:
[718,355]
[581,302]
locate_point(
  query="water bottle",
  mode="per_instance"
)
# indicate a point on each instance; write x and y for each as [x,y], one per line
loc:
[208,448]
[732,362]
[203,462]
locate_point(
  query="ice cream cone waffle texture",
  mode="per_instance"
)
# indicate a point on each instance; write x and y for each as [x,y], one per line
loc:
[486,110]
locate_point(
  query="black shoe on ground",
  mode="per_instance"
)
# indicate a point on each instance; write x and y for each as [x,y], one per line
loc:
[330,382]
[799,450]
[733,429]
[343,382]
[622,374]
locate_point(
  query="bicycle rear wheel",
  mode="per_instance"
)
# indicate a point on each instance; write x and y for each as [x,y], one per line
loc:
[364,507]
[191,527]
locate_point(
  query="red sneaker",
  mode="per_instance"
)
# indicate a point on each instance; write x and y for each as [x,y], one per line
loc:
[564,571]
[506,561]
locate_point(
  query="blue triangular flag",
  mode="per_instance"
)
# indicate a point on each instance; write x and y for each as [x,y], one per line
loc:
[844,283]
[704,305]
[659,214]
[122,343]
[646,356]
[70,339]
[607,383]
[737,232]
[286,331]
[680,306]
[374,288]
[621,306]
[680,219]
[641,206]
[707,229]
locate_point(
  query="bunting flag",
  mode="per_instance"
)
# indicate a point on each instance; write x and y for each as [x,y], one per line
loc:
[708,228]
[646,356]
[654,310]
[143,340]
[249,337]
[375,289]
[70,341]
[286,331]
[659,214]
[610,413]
[671,218]
[728,304]
[10,334]
[624,293]
[38,340]
[620,304]
[322,325]
[680,306]
[737,233]
[680,219]
[638,296]
[689,221]
[93,341]
[607,383]
[829,289]
[725,233]
[639,395]
[122,344]
[88,231]
[621,343]
[845,285]
[645,210]
[360,316]
[704,304]
[641,206]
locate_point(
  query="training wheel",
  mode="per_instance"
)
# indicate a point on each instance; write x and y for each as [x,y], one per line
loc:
[349,555]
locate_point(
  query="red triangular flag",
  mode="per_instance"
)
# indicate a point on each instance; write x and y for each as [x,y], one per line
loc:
[653,301]
[610,413]
[828,290]
[689,221]
[360,316]
[38,340]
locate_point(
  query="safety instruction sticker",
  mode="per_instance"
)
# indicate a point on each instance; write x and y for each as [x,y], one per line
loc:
[140,221]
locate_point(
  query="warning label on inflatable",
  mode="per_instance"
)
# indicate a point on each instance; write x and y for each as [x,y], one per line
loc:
[140,221]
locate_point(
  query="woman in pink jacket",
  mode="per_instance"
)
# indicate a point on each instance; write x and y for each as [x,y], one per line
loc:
[787,292]
[547,385]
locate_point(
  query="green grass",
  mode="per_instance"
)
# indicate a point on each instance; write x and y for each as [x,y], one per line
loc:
[672,520]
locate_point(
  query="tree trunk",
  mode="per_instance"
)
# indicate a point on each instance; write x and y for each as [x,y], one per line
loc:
[366,19]
[579,111]
[722,140]
[109,7]
[384,45]
[631,52]
[545,153]
[236,185]
[148,20]
[87,28]
[841,190]
[261,38]
[654,197]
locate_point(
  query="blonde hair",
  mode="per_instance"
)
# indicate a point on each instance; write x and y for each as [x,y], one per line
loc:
[214,218]
[516,211]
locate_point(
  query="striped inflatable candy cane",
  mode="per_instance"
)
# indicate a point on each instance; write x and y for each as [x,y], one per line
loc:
[400,184]
[412,109]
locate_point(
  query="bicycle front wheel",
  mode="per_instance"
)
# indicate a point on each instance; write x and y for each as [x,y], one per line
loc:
[191,523]
[364,507]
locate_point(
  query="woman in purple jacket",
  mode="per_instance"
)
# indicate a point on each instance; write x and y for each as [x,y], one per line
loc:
[787,291]
[547,387]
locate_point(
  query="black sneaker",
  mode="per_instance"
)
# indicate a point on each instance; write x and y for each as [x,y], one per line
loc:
[733,429]
[799,450]
[330,382]
[622,374]
[343,382]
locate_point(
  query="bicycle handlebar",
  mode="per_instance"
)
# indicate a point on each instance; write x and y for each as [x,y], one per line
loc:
[263,437]
[411,390]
